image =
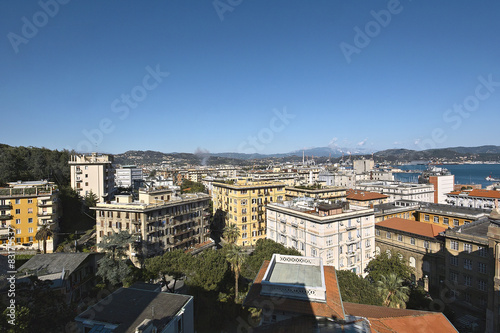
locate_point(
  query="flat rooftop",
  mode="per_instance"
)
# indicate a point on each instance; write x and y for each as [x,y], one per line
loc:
[296,274]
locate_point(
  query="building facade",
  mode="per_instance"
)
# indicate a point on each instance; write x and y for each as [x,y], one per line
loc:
[127,175]
[483,199]
[341,234]
[160,220]
[92,173]
[418,244]
[325,192]
[26,207]
[366,199]
[244,203]
[443,184]
[400,191]
[448,216]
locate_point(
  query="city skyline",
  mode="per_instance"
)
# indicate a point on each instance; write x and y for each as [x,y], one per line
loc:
[249,77]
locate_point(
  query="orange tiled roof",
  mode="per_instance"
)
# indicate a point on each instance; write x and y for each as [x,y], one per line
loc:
[364,195]
[331,309]
[413,227]
[384,319]
[479,193]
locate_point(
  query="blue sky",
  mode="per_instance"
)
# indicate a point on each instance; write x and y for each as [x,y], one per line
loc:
[249,76]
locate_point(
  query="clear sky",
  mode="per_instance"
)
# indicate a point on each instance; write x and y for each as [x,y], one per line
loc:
[249,76]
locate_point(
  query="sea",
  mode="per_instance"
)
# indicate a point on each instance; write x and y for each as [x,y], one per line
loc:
[464,173]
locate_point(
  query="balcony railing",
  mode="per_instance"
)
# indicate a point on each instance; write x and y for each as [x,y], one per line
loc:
[6,217]
[6,207]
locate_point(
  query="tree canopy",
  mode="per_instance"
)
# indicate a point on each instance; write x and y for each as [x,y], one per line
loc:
[355,289]
[393,292]
[211,268]
[382,265]
[174,264]
[189,186]
[264,250]
[113,267]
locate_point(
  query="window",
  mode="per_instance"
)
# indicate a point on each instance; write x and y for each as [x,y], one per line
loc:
[329,254]
[388,252]
[455,222]
[388,235]
[412,262]
[482,285]
[30,220]
[446,221]
[329,241]
[468,264]
[18,221]
[436,219]
[377,232]
[367,243]
[30,230]
[18,201]
[30,201]
[468,248]
[18,231]
[481,267]
[30,210]
[453,260]
[454,245]
[313,252]
[426,218]
[426,266]
[18,211]
[412,241]
[377,250]
[400,238]
[482,251]
[313,239]
[426,245]
[244,235]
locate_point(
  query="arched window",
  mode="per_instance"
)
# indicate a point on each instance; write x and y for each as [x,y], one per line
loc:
[412,262]
[377,250]
[389,255]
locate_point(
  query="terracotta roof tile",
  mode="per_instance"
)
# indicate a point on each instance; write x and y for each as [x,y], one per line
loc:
[479,193]
[413,227]
[331,309]
[364,195]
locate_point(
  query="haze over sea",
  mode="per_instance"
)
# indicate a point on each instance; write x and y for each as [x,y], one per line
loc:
[464,173]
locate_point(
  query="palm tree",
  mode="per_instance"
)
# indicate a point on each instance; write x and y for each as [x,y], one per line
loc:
[391,288]
[236,258]
[42,234]
[231,233]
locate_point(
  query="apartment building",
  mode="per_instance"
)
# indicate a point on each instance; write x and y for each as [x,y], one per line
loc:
[342,235]
[419,244]
[404,209]
[443,184]
[127,175]
[25,207]
[447,215]
[483,199]
[470,266]
[325,192]
[244,203]
[93,173]
[160,220]
[399,190]
[493,312]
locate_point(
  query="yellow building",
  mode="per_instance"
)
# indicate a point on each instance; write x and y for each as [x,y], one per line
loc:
[243,203]
[25,207]
[447,215]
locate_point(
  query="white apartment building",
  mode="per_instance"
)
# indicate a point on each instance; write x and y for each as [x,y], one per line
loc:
[476,198]
[342,235]
[94,173]
[126,175]
[399,190]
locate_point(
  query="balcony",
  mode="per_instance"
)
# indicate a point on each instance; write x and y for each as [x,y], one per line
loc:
[350,227]
[5,217]
[6,207]
[136,221]
[45,214]
[78,180]
[78,171]
[44,203]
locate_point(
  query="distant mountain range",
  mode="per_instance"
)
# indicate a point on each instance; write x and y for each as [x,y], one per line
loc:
[321,154]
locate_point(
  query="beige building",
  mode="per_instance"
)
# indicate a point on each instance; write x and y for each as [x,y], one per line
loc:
[493,312]
[418,244]
[92,173]
[341,234]
[25,207]
[399,191]
[325,192]
[160,220]
[244,204]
